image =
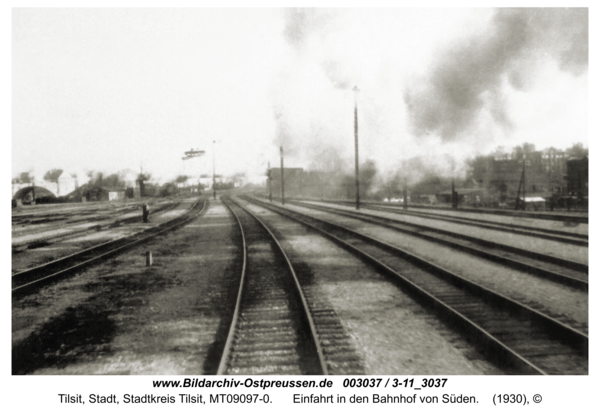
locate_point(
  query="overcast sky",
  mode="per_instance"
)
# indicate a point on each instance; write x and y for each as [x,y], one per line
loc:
[115,89]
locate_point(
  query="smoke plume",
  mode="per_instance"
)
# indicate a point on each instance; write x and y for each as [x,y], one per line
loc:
[467,79]
[312,99]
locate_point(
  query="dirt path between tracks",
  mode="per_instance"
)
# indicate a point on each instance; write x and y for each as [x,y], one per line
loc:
[124,317]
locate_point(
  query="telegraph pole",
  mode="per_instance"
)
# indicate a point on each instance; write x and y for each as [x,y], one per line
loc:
[282,191]
[214,176]
[270,183]
[355,89]
[454,197]
[405,195]
[524,203]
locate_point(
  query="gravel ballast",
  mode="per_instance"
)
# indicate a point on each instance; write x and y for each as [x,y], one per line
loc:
[544,295]
[392,333]
[122,317]
[549,247]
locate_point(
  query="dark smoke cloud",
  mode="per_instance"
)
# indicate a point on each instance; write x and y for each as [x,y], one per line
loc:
[467,78]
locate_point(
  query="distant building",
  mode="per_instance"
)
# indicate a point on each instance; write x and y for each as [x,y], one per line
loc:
[116,194]
[26,195]
[66,184]
[207,181]
[63,186]
[292,181]
[577,177]
[502,175]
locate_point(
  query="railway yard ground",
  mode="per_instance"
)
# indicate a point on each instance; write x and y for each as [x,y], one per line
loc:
[238,285]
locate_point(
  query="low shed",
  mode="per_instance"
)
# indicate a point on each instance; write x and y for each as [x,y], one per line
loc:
[534,203]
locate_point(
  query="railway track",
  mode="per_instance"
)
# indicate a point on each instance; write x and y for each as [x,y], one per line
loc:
[57,218]
[512,335]
[501,212]
[39,226]
[548,234]
[272,330]
[279,325]
[30,280]
[60,233]
[561,271]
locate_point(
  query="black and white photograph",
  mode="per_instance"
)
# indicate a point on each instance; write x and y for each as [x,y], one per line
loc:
[396,193]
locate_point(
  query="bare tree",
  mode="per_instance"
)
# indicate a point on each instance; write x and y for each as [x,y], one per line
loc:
[26,178]
[577,151]
[181,179]
[114,181]
[96,178]
[52,176]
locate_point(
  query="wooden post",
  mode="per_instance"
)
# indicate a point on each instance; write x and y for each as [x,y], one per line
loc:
[270,184]
[356,146]
[282,185]
[405,196]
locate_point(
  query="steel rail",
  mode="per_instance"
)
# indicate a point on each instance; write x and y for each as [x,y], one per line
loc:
[492,346]
[555,235]
[581,267]
[299,292]
[512,263]
[27,286]
[236,313]
[67,219]
[522,214]
[91,229]
[470,220]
